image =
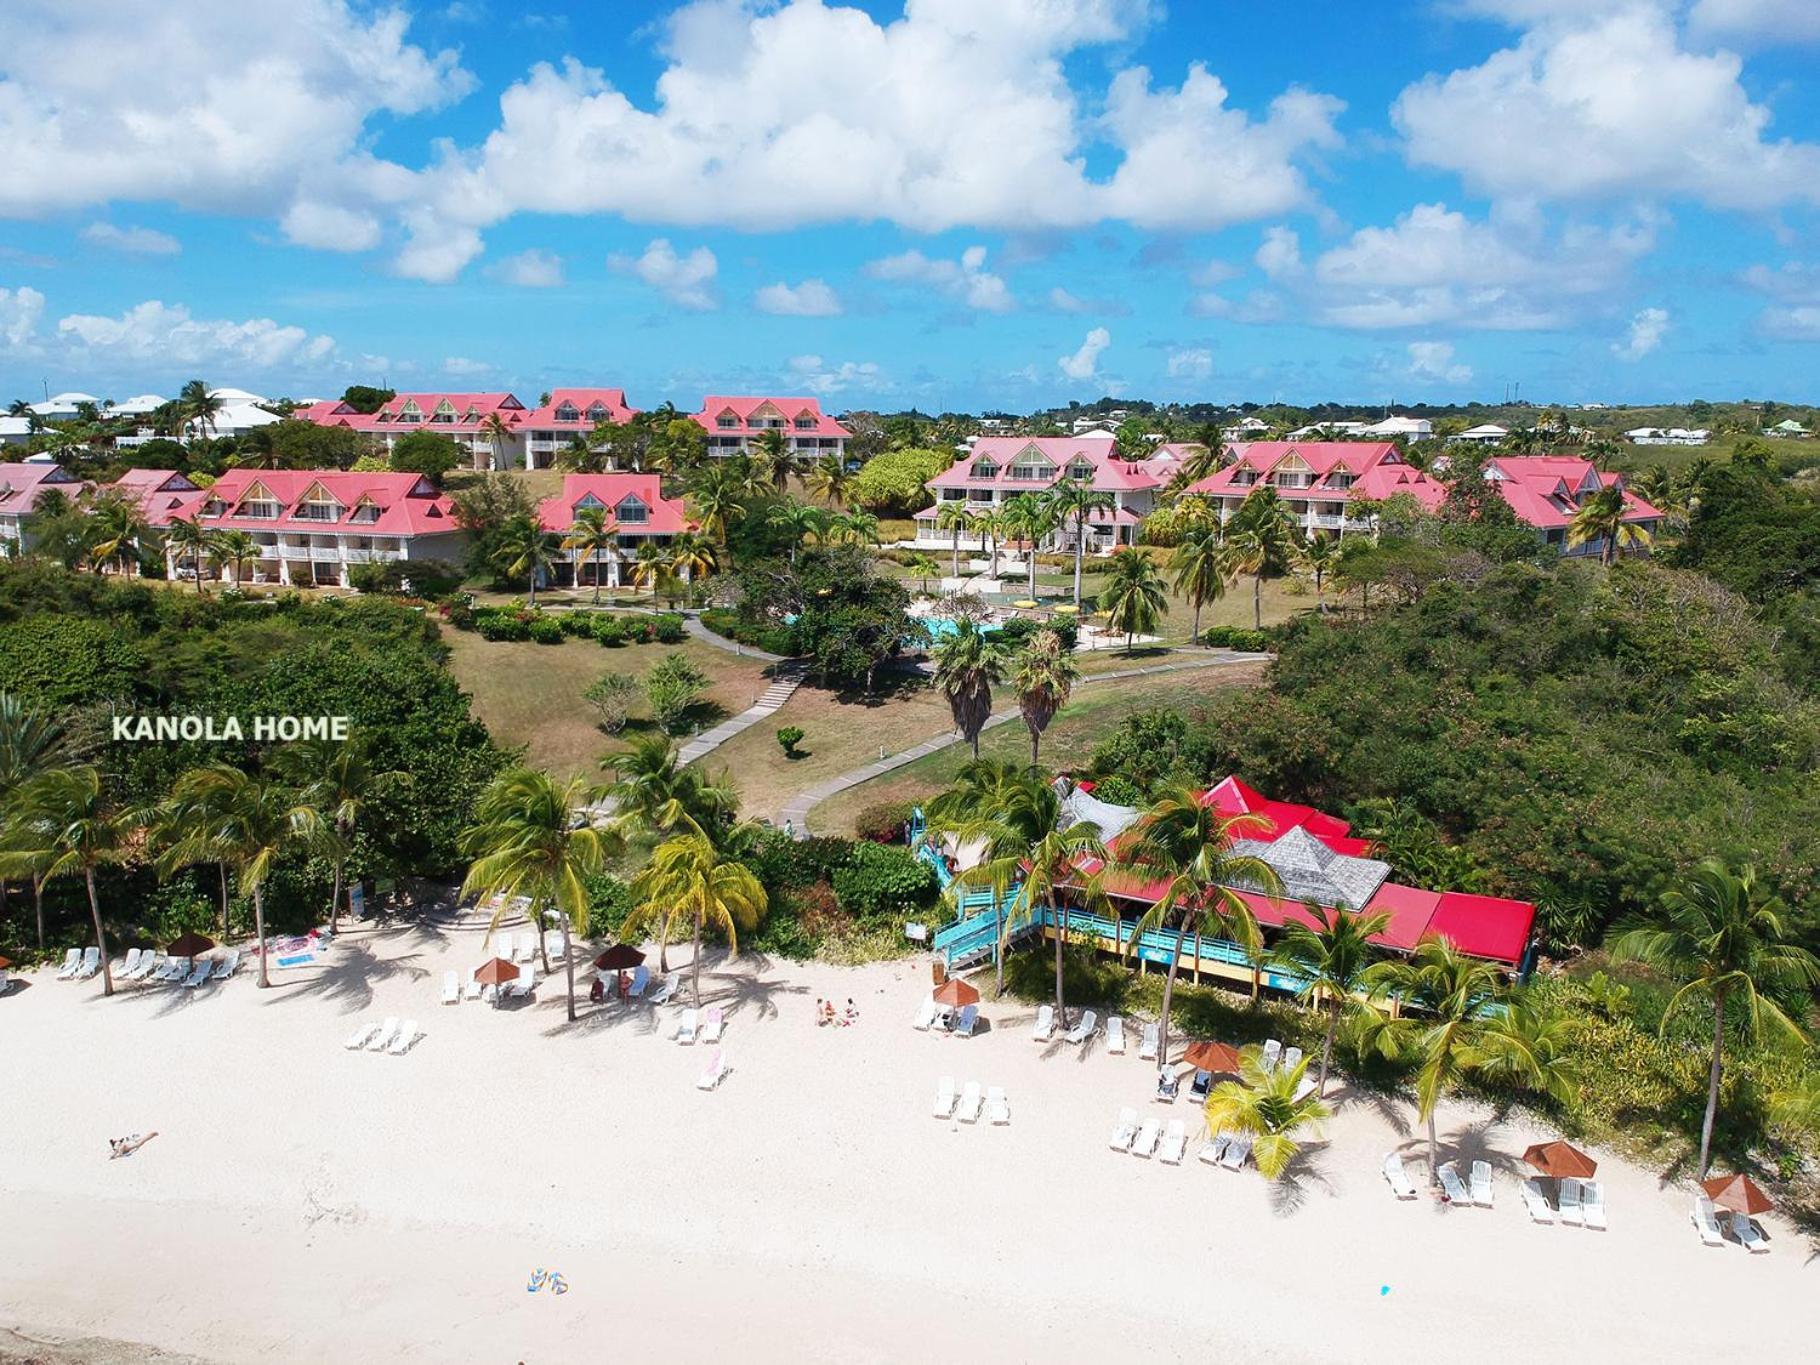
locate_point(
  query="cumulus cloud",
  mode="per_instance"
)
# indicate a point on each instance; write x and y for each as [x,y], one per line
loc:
[531,269]
[166,334]
[1194,362]
[1794,313]
[463,368]
[966,279]
[1757,21]
[1279,255]
[329,227]
[20,310]
[135,241]
[1433,362]
[1647,329]
[811,373]
[810,299]
[1084,364]
[687,281]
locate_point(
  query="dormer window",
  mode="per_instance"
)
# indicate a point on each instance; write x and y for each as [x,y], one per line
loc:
[597,412]
[588,500]
[984,469]
[631,509]
[1080,470]
[214,507]
[727,421]
[805,423]
[1028,470]
[567,413]
[365,513]
[258,510]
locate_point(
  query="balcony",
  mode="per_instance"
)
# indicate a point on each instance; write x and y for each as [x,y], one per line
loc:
[370,556]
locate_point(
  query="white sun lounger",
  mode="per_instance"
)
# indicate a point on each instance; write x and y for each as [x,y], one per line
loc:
[507,945]
[473,990]
[712,1026]
[408,1034]
[944,1097]
[1175,1142]
[717,1067]
[1291,1056]
[663,993]
[388,1030]
[1147,1048]
[1044,1028]
[1569,1202]
[1398,1176]
[969,1110]
[1592,1204]
[967,1021]
[174,969]
[942,1015]
[925,1014]
[1273,1051]
[686,1026]
[149,963]
[1115,1036]
[1481,1184]
[523,984]
[124,969]
[1145,1143]
[1537,1202]
[226,966]
[91,963]
[1213,1149]
[451,989]
[1238,1147]
[1707,1222]
[1451,1183]
[359,1038]
[1083,1028]
[72,963]
[1746,1233]
[527,949]
[198,973]
[998,1107]
[1124,1132]
[641,977]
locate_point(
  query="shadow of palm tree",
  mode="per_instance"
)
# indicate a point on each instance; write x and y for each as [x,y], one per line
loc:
[1395,1110]
[1303,1176]
[348,977]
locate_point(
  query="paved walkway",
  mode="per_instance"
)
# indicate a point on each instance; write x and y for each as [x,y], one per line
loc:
[785,679]
[796,811]
[693,625]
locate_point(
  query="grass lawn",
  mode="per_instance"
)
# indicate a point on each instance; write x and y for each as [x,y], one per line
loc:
[1069,741]
[529,695]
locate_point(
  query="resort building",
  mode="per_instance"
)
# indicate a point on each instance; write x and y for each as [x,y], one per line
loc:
[15,431]
[569,414]
[1546,490]
[1668,436]
[636,510]
[1789,428]
[1487,435]
[489,428]
[736,425]
[1317,480]
[1408,428]
[22,487]
[311,526]
[63,407]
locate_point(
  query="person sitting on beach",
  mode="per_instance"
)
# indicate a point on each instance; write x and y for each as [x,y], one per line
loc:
[852,1011]
[827,1011]
[820,1018]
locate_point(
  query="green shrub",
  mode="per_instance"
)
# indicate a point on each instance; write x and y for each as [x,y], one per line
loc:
[789,736]
[667,628]
[546,630]
[673,685]
[502,625]
[608,630]
[574,623]
[612,694]
[1236,637]
[1118,790]
[882,879]
[609,902]
[1087,978]
[884,822]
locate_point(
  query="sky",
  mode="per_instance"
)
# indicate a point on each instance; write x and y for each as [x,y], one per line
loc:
[949,204]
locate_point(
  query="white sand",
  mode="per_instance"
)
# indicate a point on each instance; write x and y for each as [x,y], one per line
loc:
[304,1203]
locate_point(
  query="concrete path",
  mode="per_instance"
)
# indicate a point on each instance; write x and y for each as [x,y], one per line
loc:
[785,679]
[795,813]
[692,624]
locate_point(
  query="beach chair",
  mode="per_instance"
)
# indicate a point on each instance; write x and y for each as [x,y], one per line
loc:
[1291,1057]
[1746,1233]
[686,1026]
[198,974]
[1211,1151]
[451,989]
[1707,1222]
[641,977]
[359,1038]
[1083,1028]
[663,993]
[148,964]
[1237,1149]
[1481,1184]
[943,1015]
[124,969]
[507,945]
[1175,1142]
[1537,1202]
[473,989]
[969,1110]
[967,1022]
[944,1097]
[1592,1204]
[1044,1028]
[998,1107]
[406,1038]
[1124,1132]
[1144,1144]
[1454,1187]
[712,1025]
[527,949]
[388,1030]
[717,1067]
[91,963]
[72,963]
[1147,1048]
[925,1014]
[226,966]
[1203,1082]
[1398,1176]
[522,986]
[173,969]
[1568,1203]
[1272,1053]
[1304,1088]
[1115,1036]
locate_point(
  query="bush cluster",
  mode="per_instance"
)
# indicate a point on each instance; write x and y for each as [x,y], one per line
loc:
[1236,637]
[773,639]
[884,822]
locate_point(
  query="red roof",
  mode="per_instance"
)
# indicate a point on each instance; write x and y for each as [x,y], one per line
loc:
[1485,926]
[1546,490]
[1375,470]
[1104,467]
[22,484]
[587,408]
[419,412]
[664,516]
[158,492]
[1233,797]
[409,504]
[744,408]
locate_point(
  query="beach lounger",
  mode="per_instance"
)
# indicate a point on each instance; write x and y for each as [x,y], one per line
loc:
[717,1067]
[925,1015]
[1175,1142]
[1537,1203]
[174,969]
[1124,1132]
[226,966]
[1237,1149]
[943,1014]
[408,1034]
[1213,1150]
[124,969]
[198,973]
[944,1097]
[1398,1176]
[1115,1036]
[360,1037]
[967,1022]
[527,949]
[686,1026]
[1203,1082]
[1044,1028]
[1147,1048]
[387,1031]
[1084,1028]
[998,1107]
[72,963]
[1707,1222]
[451,989]
[969,1109]
[663,993]
[1145,1143]
[641,977]
[1568,1203]
[1481,1184]
[1746,1233]
[712,1026]
[149,962]
[1273,1051]
[91,963]
[1451,1183]
[523,985]
[507,945]
[1291,1057]
[1304,1088]
[1592,1204]
[473,990]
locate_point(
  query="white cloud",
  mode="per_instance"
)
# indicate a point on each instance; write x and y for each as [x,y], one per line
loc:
[1191,363]
[1279,255]
[20,310]
[811,373]
[1605,106]
[135,241]
[435,250]
[1432,362]
[1757,21]
[1794,314]
[1800,322]
[1084,364]
[166,334]
[687,281]
[810,299]
[1259,306]
[531,269]
[329,227]
[1647,329]
[1063,302]
[966,279]
[464,368]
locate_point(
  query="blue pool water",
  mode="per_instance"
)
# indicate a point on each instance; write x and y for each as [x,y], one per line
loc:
[940,627]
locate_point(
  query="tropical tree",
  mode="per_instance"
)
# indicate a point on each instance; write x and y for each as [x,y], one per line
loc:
[967,664]
[591,537]
[198,407]
[1077,500]
[652,790]
[1267,1104]
[1261,541]
[653,567]
[337,779]
[191,537]
[719,496]
[116,527]
[1727,939]
[923,566]
[494,428]
[526,842]
[64,825]
[1321,554]
[1135,598]
[828,478]
[857,527]
[800,520]
[774,461]
[1199,563]
[1600,519]
[692,556]
[1330,957]
[187,828]
[1029,517]
[688,875]
[1043,674]
[31,743]
[236,549]
[523,549]
[955,517]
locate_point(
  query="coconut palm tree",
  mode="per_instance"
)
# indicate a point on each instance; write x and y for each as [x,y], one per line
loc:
[800,520]
[1600,520]
[591,536]
[1077,500]
[1135,598]
[652,791]
[967,664]
[924,567]
[1199,563]
[828,479]
[955,517]
[1725,938]
[653,568]
[692,556]
[337,778]
[719,498]
[1330,956]
[191,537]
[773,459]
[116,528]
[1043,674]
[186,829]
[687,874]
[31,743]
[1187,845]
[236,549]
[857,527]
[1266,1104]
[63,825]
[1030,517]
[1321,554]
[1260,541]
[523,550]
[526,842]
[494,428]
[198,407]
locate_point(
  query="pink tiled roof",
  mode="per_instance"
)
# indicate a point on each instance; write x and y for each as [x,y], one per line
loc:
[22,484]
[666,517]
[1546,490]
[470,410]
[612,400]
[159,492]
[714,406]
[1110,472]
[1377,471]
[409,504]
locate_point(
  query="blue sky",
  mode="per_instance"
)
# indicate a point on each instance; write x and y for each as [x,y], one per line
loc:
[947,203]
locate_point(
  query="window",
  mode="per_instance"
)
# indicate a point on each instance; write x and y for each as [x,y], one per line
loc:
[726,422]
[631,510]
[596,413]
[1339,479]
[1080,470]
[317,510]
[214,507]
[805,423]
[365,514]
[567,413]
[1032,471]
[259,510]
[984,469]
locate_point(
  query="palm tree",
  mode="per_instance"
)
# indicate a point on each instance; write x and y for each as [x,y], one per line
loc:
[1187,844]
[1135,598]
[337,778]
[1030,517]
[653,568]
[955,517]
[774,461]
[192,537]
[687,874]
[857,527]
[236,549]
[1321,554]
[590,535]
[1199,562]
[1261,541]
[494,428]
[1600,519]
[719,496]
[523,549]
[1268,1105]
[31,743]
[1330,956]
[116,526]
[1725,937]
[198,407]
[1077,499]
[692,556]
[967,664]
[63,825]
[800,520]
[652,790]
[187,828]
[526,841]
[1043,674]
[923,566]
[828,478]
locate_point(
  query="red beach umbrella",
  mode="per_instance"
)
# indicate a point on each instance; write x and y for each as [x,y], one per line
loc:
[1219,1057]
[189,945]
[1736,1194]
[1561,1160]
[620,957]
[496,972]
[957,993]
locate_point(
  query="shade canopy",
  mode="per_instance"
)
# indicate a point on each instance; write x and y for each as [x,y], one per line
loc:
[189,945]
[1736,1194]
[1068,607]
[496,972]
[5,962]
[956,993]
[620,957]
[1206,1056]
[1561,1160]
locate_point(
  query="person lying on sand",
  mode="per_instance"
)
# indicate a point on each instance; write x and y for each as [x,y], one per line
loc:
[126,1146]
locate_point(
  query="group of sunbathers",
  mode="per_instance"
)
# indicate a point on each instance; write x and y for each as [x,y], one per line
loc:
[825,1013]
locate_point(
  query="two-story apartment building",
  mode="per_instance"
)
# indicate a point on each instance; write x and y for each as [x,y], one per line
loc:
[22,486]
[637,512]
[465,418]
[1546,490]
[736,425]
[570,413]
[1317,480]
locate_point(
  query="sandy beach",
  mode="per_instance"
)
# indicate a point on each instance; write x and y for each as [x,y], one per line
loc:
[302,1202]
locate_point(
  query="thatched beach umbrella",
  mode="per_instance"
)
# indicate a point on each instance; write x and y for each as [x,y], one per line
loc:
[1736,1194]
[1561,1160]
[956,994]
[189,945]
